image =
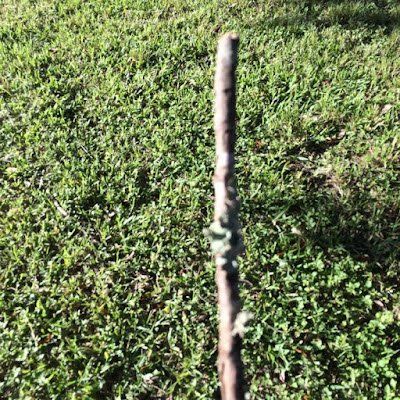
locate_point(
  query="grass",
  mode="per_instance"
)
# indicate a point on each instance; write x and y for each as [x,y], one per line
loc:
[106,157]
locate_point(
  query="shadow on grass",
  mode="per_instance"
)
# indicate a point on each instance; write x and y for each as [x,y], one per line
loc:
[352,222]
[367,228]
[348,14]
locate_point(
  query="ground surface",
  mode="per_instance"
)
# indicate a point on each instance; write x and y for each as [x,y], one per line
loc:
[106,158]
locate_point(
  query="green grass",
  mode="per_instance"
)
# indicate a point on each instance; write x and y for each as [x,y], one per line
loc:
[106,157]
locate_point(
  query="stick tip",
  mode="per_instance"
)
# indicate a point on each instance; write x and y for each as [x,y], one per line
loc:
[231,36]
[227,49]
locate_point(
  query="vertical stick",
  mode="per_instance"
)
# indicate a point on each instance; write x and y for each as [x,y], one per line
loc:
[225,231]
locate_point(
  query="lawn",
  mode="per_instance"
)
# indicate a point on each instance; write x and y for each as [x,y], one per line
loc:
[106,157]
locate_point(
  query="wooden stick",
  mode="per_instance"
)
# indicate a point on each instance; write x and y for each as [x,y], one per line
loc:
[225,232]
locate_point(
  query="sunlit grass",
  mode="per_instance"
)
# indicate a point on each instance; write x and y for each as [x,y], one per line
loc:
[106,157]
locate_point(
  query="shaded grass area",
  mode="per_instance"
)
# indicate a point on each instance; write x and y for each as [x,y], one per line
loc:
[106,158]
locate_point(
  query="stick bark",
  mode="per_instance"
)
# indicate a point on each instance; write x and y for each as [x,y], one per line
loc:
[225,231]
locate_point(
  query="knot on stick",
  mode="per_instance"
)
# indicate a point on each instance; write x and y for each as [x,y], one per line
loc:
[225,238]
[241,321]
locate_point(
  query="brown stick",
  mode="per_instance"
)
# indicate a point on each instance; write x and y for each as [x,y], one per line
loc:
[225,231]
